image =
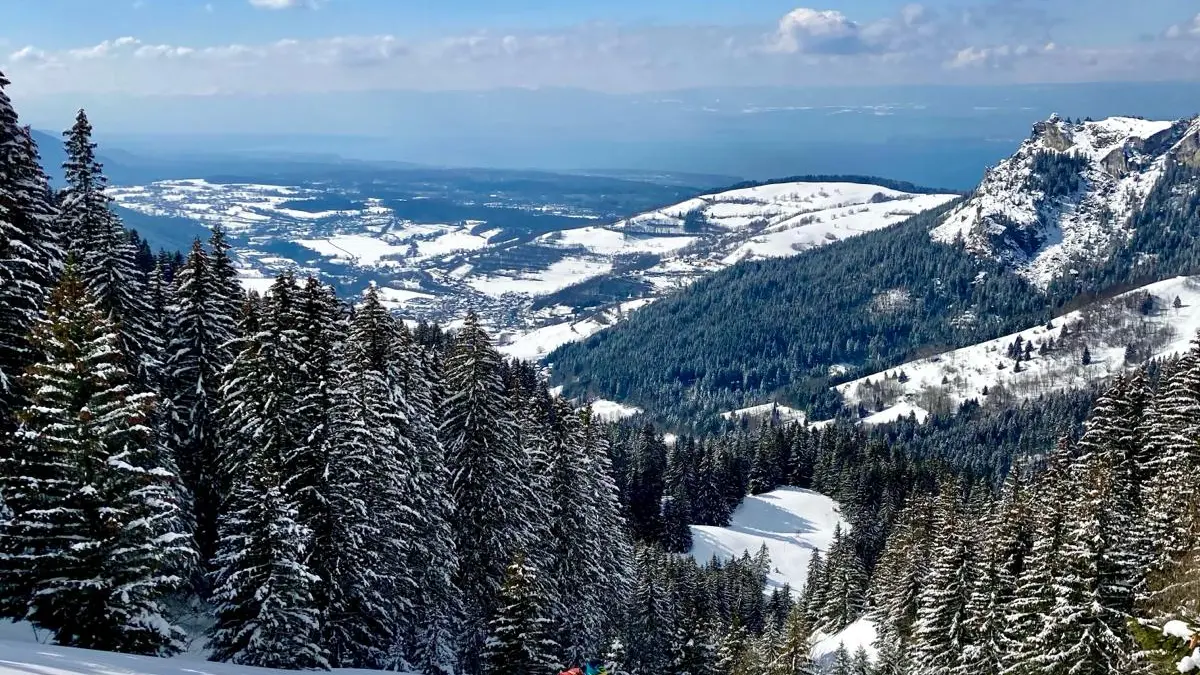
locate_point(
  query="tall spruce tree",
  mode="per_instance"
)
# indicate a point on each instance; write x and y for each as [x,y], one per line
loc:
[265,610]
[488,480]
[939,633]
[200,332]
[89,543]
[1035,595]
[30,257]
[107,258]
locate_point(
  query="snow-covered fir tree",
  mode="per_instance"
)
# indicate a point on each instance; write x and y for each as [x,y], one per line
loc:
[201,328]
[488,481]
[939,633]
[90,546]
[30,257]
[106,256]
[519,640]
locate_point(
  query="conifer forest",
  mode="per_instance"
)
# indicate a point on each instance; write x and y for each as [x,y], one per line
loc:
[301,481]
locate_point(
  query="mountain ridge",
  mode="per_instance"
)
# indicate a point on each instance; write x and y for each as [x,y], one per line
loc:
[1100,207]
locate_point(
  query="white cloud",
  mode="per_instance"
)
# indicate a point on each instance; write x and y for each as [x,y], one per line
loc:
[816,31]
[1190,29]
[284,4]
[998,56]
[104,49]
[28,54]
[807,46]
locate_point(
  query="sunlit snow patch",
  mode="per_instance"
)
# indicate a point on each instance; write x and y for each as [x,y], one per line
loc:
[792,523]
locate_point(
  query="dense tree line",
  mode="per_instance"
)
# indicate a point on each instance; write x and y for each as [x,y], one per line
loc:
[1074,565]
[341,491]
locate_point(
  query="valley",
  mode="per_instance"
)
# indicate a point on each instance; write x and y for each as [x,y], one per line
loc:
[539,273]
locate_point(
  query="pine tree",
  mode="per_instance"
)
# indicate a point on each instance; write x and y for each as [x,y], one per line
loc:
[1035,596]
[519,636]
[814,594]
[898,583]
[1173,427]
[792,657]
[842,663]
[939,632]
[200,330]
[438,608]
[265,614]
[366,523]
[107,259]
[89,544]
[845,579]
[650,624]
[30,258]
[692,652]
[488,473]
[1085,631]
[731,652]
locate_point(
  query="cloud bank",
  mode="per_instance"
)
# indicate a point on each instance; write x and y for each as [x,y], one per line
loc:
[1004,43]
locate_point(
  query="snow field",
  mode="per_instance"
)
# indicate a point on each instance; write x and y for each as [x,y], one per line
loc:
[792,523]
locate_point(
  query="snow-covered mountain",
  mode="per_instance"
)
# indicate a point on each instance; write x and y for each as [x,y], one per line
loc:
[1118,334]
[1067,196]
[538,289]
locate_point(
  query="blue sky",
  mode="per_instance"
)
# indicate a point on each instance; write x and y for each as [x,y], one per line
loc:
[192,47]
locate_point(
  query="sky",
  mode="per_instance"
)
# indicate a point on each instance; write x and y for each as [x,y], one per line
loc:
[263,47]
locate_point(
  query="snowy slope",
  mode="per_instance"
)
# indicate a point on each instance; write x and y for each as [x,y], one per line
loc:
[756,412]
[1025,214]
[1145,319]
[20,654]
[860,634]
[790,521]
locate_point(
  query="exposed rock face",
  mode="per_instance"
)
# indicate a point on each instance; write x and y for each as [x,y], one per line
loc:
[1187,150]
[1069,192]
[1050,134]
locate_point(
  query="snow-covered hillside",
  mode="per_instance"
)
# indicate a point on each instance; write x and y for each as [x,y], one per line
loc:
[790,521]
[1068,194]
[538,292]
[1156,320]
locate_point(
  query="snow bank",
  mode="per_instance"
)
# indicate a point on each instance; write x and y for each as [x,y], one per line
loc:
[792,523]
[611,410]
[860,634]
[899,411]
[785,413]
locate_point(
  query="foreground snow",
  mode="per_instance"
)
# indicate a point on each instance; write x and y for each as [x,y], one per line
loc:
[21,653]
[792,523]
